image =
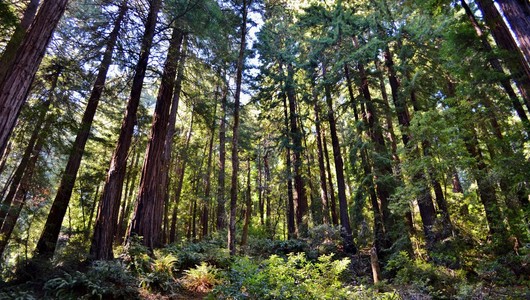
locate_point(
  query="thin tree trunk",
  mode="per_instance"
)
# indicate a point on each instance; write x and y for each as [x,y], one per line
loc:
[178,187]
[346,231]
[321,166]
[300,199]
[333,201]
[291,219]
[207,185]
[379,229]
[248,210]
[48,240]
[23,187]
[221,212]
[128,199]
[235,134]
[16,84]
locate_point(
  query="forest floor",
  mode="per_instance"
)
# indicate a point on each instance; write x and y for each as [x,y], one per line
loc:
[313,268]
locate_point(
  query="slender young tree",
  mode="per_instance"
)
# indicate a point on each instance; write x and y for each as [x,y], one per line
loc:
[235,130]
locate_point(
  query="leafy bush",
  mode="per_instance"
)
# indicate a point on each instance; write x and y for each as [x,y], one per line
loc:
[201,278]
[103,280]
[293,277]
[435,280]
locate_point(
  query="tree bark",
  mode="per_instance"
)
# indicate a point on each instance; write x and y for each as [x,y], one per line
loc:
[346,231]
[178,187]
[496,65]
[48,240]
[207,185]
[516,63]
[11,49]
[15,87]
[149,209]
[235,134]
[321,166]
[517,13]
[221,212]
[248,209]
[300,199]
[118,166]
[30,148]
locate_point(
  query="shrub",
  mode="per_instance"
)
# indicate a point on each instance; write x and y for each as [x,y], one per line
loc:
[293,277]
[103,280]
[202,278]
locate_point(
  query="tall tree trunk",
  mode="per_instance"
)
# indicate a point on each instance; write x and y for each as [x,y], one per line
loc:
[517,13]
[48,240]
[221,212]
[488,197]
[30,148]
[346,231]
[128,198]
[149,209]
[333,201]
[235,134]
[207,185]
[267,200]
[248,209]
[425,201]
[379,229]
[321,166]
[496,65]
[11,49]
[178,187]
[118,166]
[516,63]
[300,199]
[16,84]
[22,189]
[291,218]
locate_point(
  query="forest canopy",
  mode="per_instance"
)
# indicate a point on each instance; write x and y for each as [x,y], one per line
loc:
[265,149]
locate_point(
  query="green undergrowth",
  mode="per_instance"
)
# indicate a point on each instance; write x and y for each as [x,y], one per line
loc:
[311,268]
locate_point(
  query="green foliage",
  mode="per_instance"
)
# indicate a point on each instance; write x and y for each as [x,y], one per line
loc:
[426,277]
[293,277]
[202,278]
[103,280]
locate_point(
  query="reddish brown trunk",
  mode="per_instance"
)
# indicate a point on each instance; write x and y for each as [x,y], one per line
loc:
[321,166]
[207,186]
[517,13]
[516,63]
[221,212]
[346,231]
[235,134]
[17,82]
[178,187]
[291,216]
[300,199]
[11,49]
[333,201]
[248,209]
[50,234]
[149,209]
